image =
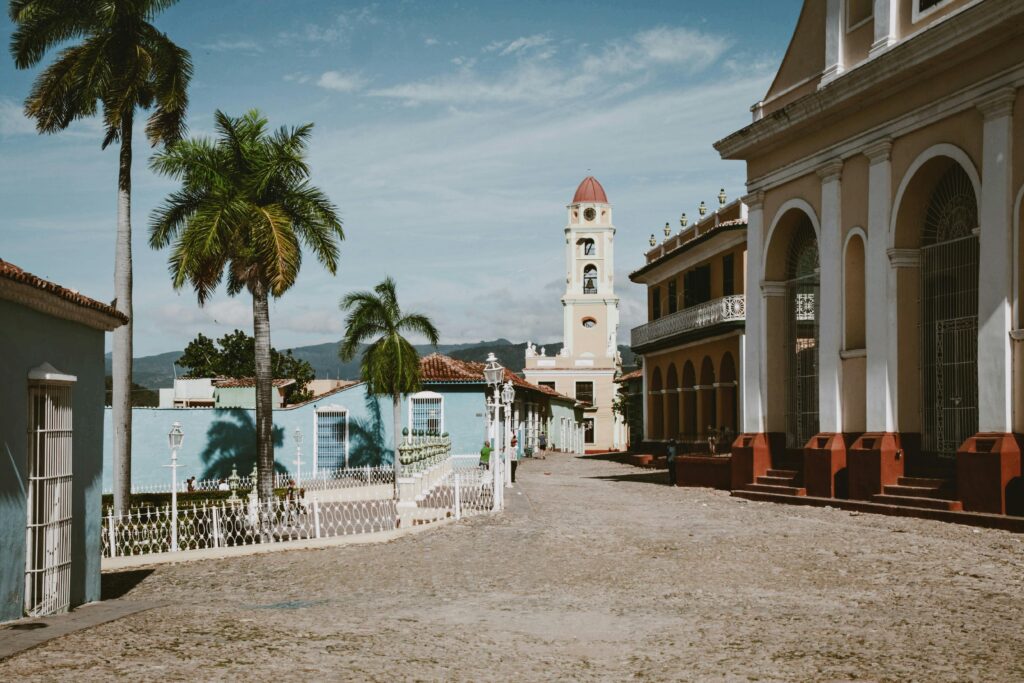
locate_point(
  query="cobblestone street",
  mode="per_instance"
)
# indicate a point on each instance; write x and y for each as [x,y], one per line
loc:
[598,572]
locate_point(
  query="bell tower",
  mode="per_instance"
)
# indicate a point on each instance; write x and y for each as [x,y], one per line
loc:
[590,307]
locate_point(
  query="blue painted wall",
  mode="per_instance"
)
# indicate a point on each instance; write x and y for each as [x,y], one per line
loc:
[217,438]
[29,338]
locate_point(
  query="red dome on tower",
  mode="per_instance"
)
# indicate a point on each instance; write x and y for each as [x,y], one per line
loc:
[590,191]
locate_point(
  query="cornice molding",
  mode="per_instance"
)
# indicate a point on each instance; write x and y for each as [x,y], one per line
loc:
[904,258]
[999,103]
[830,171]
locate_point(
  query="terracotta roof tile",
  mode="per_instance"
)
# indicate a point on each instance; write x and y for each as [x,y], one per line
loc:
[439,368]
[9,271]
[636,374]
[245,382]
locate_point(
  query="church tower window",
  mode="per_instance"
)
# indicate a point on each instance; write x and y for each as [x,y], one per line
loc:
[590,280]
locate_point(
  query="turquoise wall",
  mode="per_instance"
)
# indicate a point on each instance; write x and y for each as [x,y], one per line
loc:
[217,438]
[29,338]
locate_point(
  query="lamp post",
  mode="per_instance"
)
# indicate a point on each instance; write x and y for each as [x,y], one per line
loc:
[508,395]
[493,374]
[174,439]
[298,457]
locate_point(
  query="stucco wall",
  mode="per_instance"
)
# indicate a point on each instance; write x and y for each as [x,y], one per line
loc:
[27,339]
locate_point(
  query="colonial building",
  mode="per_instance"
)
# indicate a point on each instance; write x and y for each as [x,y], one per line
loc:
[693,340]
[885,170]
[586,366]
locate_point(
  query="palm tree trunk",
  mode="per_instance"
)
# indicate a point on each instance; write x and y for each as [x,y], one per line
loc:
[121,361]
[396,416]
[264,387]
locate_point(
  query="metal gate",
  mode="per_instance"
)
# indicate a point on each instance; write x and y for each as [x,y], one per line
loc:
[949,345]
[949,316]
[48,531]
[802,312]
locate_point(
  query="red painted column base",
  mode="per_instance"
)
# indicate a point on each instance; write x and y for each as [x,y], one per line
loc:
[874,460]
[825,474]
[752,456]
[988,473]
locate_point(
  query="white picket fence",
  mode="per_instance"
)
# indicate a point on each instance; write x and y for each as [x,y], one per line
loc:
[360,503]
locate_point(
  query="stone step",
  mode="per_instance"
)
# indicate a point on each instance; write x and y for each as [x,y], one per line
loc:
[910,501]
[917,491]
[783,473]
[924,482]
[776,481]
[771,488]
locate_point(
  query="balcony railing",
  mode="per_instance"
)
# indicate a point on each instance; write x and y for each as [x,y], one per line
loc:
[727,309]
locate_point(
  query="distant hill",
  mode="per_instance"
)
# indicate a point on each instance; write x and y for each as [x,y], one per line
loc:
[158,371]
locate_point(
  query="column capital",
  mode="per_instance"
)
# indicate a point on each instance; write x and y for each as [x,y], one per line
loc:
[904,258]
[830,170]
[878,151]
[754,200]
[998,103]
[773,288]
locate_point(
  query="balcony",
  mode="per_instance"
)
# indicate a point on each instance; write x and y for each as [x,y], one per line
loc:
[728,309]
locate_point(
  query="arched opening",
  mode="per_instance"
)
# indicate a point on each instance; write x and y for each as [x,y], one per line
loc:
[727,394]
[590,279]
[586,247]
[802,299]
[672,403]
[706,409]
[655,403]
[853,293]
[689,402]
[949,314]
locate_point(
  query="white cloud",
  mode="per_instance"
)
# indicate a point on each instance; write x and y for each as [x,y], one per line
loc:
[297,78]
[430,41]
[228,45]
[340,82]
[13,120]
[336,31]
[524,43]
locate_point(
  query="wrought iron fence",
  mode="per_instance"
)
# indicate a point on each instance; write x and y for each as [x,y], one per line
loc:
[726,309]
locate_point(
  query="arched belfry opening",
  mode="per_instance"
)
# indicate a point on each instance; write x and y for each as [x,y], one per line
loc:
[590,279]
[802,297]
[949,314]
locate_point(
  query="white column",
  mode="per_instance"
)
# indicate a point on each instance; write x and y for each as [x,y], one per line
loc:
[833,40]
[753,350]
[880,288]
[995,277]
[830,306]
[885,18]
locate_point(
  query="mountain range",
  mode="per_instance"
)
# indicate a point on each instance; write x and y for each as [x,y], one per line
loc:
[159,371]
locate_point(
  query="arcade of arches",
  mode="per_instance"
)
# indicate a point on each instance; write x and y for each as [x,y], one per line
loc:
[693,390]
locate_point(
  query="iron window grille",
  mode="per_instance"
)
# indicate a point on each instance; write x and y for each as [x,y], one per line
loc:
[426,412]
[330,439]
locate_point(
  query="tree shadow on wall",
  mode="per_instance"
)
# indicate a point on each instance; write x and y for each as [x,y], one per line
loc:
[366,438]
[231,441]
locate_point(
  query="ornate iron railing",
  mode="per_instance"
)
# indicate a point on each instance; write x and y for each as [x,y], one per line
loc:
[727,309]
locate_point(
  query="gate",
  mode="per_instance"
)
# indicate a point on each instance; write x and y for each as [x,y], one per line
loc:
[802,339]
[949,345]
[48,530]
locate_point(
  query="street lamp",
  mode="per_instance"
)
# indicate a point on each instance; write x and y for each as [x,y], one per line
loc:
[174,439]
[721,197]
[298,457]
[494,373]
[508,395]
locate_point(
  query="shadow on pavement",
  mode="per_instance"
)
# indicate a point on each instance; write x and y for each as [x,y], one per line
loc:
[655,477]
[117,584]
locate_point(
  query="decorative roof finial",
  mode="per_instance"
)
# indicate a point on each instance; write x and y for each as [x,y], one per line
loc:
[702,209]
[721,197]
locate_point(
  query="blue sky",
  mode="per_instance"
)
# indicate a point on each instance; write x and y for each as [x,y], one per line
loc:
[450,134]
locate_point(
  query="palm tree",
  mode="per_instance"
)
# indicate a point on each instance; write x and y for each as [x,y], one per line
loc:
[122,62]
[244,207]
[390,365]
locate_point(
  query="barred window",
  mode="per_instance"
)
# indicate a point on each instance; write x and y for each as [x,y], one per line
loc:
[585,391]
[330,442]
[426,412]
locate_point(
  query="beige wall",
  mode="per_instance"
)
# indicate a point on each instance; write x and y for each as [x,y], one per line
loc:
[854,394]
[805,56]
[906,24]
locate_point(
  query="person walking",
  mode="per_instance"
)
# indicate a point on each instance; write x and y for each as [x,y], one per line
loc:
[485,455]
[514,456]
[672,452]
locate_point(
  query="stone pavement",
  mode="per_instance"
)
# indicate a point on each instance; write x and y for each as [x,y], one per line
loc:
[596,572]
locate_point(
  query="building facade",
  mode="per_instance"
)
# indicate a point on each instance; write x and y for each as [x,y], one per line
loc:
[586,367]
[51,434]
[885,171]
[693,341]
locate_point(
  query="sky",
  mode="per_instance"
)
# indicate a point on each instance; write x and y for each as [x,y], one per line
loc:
[451,135]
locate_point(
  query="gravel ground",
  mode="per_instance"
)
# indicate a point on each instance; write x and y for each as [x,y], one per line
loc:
[597,572]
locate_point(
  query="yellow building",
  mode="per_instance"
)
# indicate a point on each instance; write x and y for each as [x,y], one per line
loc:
[885,171]
[586,366]
[693,341]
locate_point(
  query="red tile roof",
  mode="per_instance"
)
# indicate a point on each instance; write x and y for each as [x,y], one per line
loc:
[246,382]
[445,369]
[9,271]
[590,191]
[636,374]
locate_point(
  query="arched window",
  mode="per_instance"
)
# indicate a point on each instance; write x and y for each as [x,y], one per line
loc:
[587,247]
[590,279]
